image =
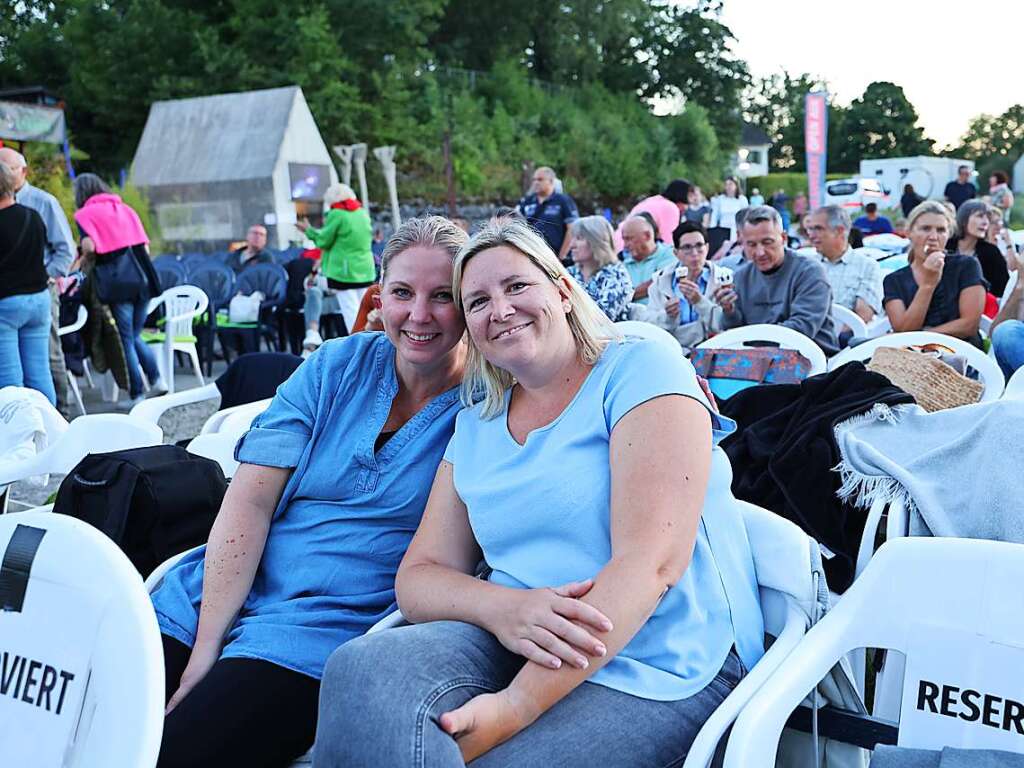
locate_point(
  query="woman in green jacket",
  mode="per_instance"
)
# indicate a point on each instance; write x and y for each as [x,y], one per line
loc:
[345,267]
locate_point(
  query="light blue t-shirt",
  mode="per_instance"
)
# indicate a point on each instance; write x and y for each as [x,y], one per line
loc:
[541,513]
[345,518]
[641,271]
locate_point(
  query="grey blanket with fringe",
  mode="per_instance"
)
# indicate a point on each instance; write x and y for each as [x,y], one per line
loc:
[960,472]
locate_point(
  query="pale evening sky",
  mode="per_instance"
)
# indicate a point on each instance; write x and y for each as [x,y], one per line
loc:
[954,60]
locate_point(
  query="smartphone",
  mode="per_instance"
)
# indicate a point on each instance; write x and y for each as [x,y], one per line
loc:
[682,273]
[724,276]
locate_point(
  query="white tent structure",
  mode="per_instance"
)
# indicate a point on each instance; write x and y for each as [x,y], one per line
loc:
[214,165]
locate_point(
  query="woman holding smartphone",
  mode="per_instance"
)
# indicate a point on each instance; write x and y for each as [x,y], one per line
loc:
[621,608]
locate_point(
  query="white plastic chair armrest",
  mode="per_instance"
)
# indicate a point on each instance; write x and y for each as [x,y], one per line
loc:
[393,619]
[897,523]
[157,576]
[702,750]
[754,741]
[867,539]
[153,408]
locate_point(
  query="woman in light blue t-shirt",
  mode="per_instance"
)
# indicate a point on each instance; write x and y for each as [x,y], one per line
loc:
[621,606]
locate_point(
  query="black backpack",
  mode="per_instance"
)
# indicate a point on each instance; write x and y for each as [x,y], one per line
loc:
[152,502]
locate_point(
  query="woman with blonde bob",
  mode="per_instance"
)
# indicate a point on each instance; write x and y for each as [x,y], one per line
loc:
[936,291]
[621,606]
[597,269]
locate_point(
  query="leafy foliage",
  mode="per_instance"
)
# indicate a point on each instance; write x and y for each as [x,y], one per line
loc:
[514,82]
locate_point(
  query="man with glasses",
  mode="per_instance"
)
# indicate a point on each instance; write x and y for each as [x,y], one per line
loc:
[549,212]
[778,286]
[681,295]
[856,280]
[254,252]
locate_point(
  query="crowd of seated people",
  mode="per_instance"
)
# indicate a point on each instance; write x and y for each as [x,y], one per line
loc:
[395,461]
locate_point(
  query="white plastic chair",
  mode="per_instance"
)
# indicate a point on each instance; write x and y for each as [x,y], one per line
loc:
[875,254]
[83,316]
[987,368]
[181,304]
[844,316]
[1015,386]
[220,447]
[93,433]
[879,326]
[237,419]
[889,242]
[88,630]
[648,331]
[786,338]
[947,605]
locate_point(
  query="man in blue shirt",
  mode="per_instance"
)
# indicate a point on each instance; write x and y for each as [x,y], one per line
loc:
[961,190]
[872,223]
[57,258]
[549,212]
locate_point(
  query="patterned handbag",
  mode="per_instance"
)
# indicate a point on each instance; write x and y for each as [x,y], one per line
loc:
[758,365]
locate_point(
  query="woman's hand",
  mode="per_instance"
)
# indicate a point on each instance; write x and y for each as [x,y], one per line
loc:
[302,225]
[672,307]
[486,721]
[690,291]
[933,265]
[200,662]
[549,626]
[726,298]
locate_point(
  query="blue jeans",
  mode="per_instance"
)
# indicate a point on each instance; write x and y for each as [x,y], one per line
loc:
[382,696]
[25,343]
[1008,343]
[130,317]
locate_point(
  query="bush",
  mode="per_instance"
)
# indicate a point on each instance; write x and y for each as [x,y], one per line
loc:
[791,183]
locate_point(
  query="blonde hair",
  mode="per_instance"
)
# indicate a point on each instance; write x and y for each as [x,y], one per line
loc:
[336,193]
[930,207]
[428,232]
[591,329]
[598,234]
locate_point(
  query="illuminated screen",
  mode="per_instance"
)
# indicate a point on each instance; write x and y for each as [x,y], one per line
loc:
[308,181]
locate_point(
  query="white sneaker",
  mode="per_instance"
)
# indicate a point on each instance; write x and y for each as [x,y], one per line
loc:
[313,340]
[158,387]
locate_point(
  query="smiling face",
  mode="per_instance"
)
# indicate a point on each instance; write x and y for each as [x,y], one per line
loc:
[929,233]
[417,307]
[515,313]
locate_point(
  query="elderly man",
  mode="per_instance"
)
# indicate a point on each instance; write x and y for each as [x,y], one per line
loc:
[643,255]
[58,255]
[667,209]
[255,251]
[778,286]
[856,280]
[549,212]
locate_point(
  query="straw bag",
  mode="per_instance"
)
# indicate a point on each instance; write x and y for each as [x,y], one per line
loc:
[935,385]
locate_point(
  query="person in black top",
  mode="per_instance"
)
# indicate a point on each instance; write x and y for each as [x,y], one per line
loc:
[960,191]
[910,199]
[937,291]
[549,212]
[972,224]
[24,295]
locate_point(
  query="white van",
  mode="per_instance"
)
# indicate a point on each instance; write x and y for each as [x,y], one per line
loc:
[854,194]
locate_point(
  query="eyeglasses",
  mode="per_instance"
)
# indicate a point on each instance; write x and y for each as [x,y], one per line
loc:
[694,248]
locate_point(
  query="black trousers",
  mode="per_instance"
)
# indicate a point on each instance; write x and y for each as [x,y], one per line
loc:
[245,712]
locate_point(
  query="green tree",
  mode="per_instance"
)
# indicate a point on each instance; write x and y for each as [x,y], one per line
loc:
[990,136]
[883,123]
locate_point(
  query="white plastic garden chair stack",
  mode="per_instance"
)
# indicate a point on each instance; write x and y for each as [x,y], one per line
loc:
[182,304]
